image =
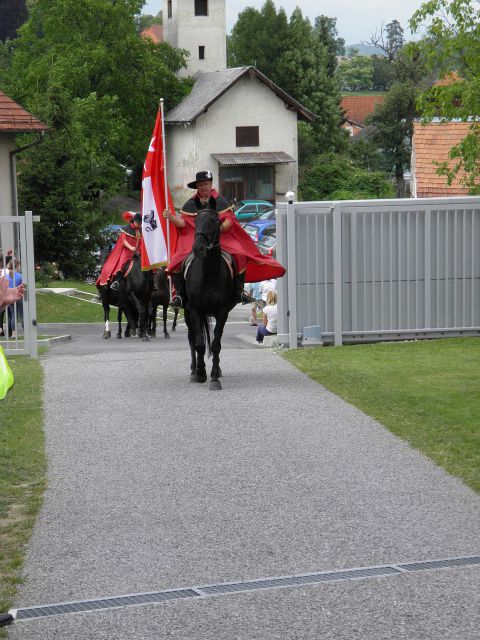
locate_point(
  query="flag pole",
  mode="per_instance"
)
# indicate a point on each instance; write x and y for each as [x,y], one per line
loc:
[165,177]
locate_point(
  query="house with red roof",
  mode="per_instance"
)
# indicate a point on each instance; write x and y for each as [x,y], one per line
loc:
[431,145]
[356,109]
[14,119]
[154,32]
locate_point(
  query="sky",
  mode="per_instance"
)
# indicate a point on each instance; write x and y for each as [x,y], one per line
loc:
[356,19]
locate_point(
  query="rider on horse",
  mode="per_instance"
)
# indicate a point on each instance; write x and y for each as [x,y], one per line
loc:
[128,243]
[234,240]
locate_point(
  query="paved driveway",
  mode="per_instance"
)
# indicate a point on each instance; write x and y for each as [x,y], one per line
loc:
[157,484]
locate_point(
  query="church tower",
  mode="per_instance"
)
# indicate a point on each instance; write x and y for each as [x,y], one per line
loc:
[199,27]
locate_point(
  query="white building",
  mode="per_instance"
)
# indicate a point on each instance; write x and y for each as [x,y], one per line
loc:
[235,122]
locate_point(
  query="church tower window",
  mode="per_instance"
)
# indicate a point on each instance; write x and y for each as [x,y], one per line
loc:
[201,7]
[169,8]
[201,52]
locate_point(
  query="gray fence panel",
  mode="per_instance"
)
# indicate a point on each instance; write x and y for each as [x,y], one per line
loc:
[366,270]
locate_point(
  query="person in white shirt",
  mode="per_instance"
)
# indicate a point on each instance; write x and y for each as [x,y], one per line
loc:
[266,286]
[269,326]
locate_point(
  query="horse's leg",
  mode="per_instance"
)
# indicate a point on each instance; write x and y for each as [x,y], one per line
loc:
[119,319]
[152,321]
[191,342]
[106,315]
[175,316]
[199,342]
[142,317]
[165,330]
[220,320]
[131,319]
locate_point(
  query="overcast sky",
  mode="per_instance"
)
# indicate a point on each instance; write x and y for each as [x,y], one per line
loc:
[356,19]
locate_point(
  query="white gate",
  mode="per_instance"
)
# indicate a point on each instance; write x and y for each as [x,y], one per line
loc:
[16,236]
[379,269]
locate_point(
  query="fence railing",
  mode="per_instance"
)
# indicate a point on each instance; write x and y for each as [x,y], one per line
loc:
[379,269]
[19,321]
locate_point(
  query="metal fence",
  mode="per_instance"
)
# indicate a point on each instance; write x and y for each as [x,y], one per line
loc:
[18,322]
[379,269]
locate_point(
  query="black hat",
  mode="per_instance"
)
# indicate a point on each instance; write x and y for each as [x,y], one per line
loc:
[201,176]
[137,217]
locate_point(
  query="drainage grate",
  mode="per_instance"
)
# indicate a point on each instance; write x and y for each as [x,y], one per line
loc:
[439,564]
[104,603]
[237,587]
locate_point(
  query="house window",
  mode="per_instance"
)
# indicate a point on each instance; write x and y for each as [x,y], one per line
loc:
[201,7]
[201,53]
[169,8]
[247,137]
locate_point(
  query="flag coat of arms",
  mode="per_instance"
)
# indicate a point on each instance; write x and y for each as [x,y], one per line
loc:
[159,237]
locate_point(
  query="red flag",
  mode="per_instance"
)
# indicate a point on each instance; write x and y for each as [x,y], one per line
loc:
[159,237]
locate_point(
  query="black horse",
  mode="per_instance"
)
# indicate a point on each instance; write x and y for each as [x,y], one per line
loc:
[209,288]
[160,297]
[133,298]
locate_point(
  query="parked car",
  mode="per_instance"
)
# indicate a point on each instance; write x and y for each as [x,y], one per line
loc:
[268,246]
[257,229]
[246,210]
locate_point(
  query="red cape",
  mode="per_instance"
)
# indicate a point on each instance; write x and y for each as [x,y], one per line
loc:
[117,257]
[237,242]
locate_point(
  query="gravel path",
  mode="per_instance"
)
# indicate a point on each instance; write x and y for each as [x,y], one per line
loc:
[156,483]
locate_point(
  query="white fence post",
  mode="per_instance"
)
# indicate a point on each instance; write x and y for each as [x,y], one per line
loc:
[292,275]
[30,293]
[337,274]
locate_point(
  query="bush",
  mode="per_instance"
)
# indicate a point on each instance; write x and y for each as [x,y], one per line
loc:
[336,177]
[47,272]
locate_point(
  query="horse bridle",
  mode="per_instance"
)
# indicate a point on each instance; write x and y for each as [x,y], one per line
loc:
[212,244]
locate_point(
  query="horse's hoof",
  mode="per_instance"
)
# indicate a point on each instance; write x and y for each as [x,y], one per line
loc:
[193,377]
[201,377]
[215,385]
[173,329]
[133,333]
[107,334]
[166,335]
[145,339]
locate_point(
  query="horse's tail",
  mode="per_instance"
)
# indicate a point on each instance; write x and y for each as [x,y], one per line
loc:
[207,330]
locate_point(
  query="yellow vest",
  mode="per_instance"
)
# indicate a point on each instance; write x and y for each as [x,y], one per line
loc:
[6,375]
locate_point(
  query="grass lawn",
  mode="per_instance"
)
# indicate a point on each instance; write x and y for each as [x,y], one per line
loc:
[53,307]
[426,392]
[69,284]
[22,471]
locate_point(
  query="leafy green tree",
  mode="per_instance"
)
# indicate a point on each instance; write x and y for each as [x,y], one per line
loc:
[452,44]
[86,54]
[383,73]
[326,30]
[336,177]
[65,178]
[392,129]
[356,74]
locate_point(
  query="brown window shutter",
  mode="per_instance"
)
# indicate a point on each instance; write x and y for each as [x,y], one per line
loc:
[248,137]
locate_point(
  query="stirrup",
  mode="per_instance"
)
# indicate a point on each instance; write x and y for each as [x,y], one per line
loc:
[114,286]
[245,298]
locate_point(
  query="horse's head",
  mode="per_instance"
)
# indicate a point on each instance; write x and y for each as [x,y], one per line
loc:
[207,232]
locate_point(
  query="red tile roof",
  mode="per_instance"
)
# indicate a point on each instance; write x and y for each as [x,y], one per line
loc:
[16,119]
[357,108]
[154,32]
[431,143]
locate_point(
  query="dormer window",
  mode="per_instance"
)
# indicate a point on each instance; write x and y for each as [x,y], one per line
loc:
[201,7]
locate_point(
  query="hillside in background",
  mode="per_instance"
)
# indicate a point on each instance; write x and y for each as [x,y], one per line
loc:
[365,49]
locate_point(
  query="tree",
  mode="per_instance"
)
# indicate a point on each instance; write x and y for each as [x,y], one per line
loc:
[64,178]
[146,20]
[336,177]
[392,129]
[292,54]
[80,66]
[452,43]
[383,73]
[326,31]
[389,39]
[13,14]
[356,74]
